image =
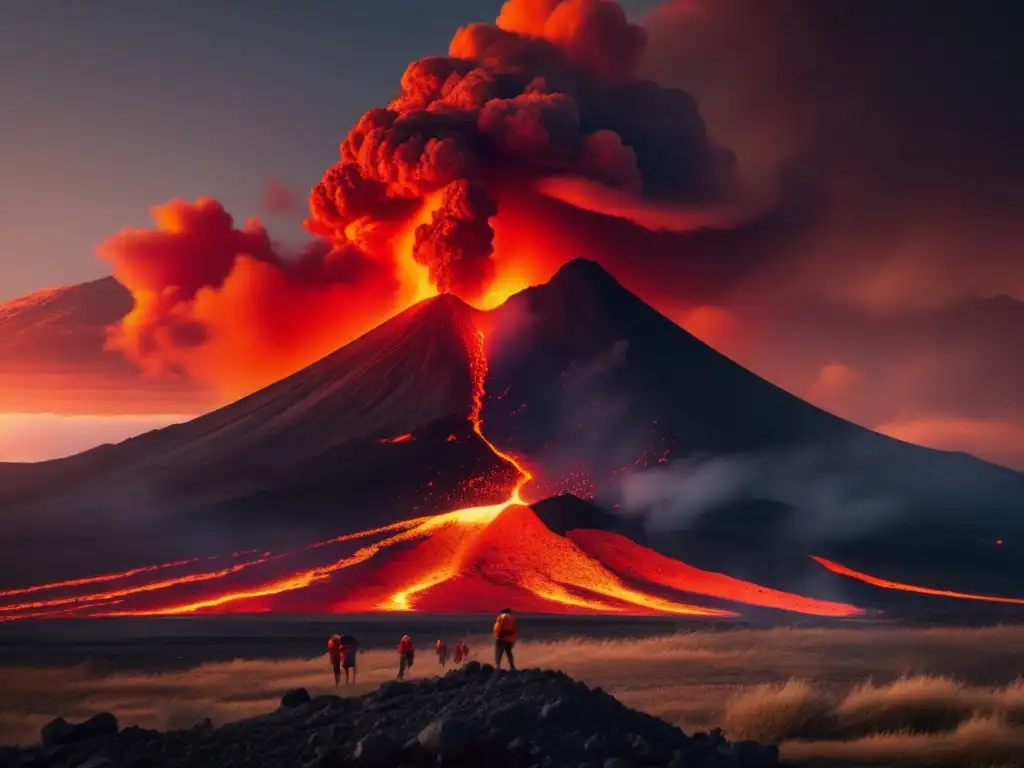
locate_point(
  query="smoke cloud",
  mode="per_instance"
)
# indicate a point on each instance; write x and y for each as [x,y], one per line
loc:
[550,89]
[223,305]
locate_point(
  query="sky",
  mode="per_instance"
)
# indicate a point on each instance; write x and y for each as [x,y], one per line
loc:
[114,107]
[885,285]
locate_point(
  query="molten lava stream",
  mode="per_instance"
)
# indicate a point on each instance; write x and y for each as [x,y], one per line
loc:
[875,581]
[633,561]
[99,579]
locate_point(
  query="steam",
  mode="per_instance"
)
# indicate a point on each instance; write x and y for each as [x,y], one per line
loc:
[829,501]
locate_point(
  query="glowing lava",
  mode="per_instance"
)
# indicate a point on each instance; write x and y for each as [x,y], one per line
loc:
[406,438]
[473,558]
[842,570]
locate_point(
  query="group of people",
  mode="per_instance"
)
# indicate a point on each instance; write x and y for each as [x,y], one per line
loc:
[441,649]
[342,650]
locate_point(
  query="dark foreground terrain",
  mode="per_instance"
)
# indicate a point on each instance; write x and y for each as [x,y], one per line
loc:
[472,716]
[840,694]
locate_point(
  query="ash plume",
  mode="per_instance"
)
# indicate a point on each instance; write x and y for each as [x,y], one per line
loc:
[550,89]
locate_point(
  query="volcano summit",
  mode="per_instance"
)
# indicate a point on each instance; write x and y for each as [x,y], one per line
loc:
[417,458]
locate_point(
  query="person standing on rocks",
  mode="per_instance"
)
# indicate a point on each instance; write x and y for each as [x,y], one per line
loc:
[406,656]
[334,654]
[504,638]
[349,649]
[442,653]
[461,652]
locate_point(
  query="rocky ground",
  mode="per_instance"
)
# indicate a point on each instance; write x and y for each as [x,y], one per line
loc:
[472,716]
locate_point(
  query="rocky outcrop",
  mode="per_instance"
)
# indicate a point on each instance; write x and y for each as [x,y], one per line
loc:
[473,716]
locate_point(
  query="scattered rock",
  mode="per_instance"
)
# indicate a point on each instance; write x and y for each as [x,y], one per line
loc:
[377,749]
[296,697]
[475,715]
[448,738]
[330,758]
[60,731]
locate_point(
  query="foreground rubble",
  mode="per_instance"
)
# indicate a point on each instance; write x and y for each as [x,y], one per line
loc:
[472,716]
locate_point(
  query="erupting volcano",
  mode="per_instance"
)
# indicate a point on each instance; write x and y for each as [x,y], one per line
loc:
[415,459]
[463,560]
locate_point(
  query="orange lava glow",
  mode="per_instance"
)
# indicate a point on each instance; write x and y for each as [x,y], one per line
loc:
[469,559]
[406,438]
[635,562]
[875,581]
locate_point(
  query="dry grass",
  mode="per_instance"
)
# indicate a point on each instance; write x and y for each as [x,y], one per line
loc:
[915,697]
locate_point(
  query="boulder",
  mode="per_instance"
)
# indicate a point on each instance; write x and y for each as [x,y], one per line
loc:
[330,758]
[60,731]
[54,732]
[448,738]
[97,761]
[296,697]
[396,688]
[377,749]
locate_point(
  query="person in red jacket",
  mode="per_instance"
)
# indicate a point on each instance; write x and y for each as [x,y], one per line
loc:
[406,656]
[461,652]
[442,653]
[334,654]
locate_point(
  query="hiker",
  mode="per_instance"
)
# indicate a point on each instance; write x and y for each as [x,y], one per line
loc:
[461,652]
[334,654]
[349,649]
[442,653]
[504,638]
[406,656]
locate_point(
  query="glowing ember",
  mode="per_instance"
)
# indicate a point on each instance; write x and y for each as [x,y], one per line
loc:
[842,570]
[406,438]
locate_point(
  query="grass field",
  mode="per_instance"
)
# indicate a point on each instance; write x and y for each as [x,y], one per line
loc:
[861,696]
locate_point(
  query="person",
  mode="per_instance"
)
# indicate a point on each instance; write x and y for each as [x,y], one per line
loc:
[442,653]
[349,649]
[334,654]
[461,652]
[504,638]
[406,656]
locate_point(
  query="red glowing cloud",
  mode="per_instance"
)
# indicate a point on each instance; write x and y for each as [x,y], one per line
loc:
[221,305]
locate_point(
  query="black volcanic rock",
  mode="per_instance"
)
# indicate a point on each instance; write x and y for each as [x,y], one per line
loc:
[567,512]
[459,720]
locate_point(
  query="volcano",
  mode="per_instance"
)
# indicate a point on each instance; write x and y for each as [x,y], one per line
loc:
[435,464]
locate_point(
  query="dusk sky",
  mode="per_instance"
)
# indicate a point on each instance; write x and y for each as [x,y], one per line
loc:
[110,108]
[876,269]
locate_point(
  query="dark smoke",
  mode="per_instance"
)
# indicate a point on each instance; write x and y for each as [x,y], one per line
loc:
[549,90]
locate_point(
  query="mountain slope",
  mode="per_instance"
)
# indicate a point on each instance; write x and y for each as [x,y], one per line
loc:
[52,357]
[582,376]
[374,432]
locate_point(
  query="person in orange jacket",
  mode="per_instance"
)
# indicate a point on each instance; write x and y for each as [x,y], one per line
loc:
[442,653]
[334,654]
[461,652]
[406,656]
[504,638]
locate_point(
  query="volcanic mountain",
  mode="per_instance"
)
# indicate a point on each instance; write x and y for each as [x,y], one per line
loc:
[53,356]
[405,457]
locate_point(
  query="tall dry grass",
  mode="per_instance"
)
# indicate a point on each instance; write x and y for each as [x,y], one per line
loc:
[872,695]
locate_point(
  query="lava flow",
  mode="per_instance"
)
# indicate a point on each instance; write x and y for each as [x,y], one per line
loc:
[469,559]
[875,581]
